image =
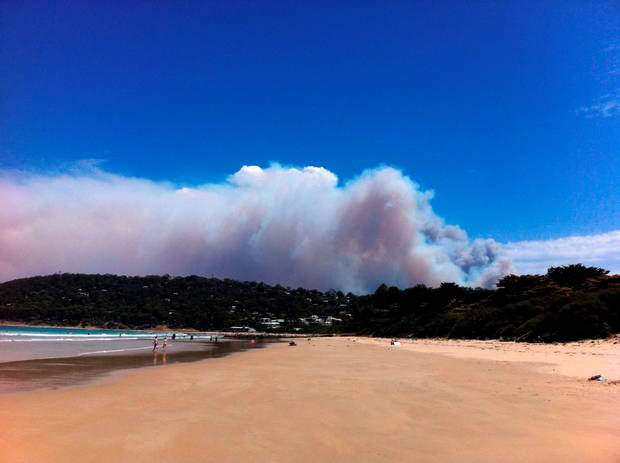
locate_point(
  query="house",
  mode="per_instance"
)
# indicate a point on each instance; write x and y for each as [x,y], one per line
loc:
[242,329]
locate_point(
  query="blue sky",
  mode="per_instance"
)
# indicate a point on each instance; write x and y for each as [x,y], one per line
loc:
[507,110]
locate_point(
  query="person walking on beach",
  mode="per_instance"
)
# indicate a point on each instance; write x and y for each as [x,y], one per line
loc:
[165,344]
[155,344]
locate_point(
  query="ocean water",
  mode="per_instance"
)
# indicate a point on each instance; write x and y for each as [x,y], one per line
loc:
[42,357]
[33,342]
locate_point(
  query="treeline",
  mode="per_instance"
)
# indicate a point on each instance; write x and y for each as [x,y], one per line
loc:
[568,303]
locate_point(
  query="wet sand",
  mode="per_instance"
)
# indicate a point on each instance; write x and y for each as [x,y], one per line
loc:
[25,375]
[331,399]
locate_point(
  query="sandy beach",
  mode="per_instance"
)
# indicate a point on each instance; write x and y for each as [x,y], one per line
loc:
[335,399]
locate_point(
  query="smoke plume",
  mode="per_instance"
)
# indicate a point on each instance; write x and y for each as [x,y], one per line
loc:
[294,226]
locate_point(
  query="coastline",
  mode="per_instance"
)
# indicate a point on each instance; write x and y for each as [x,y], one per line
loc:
[328,399]
[55,372]
[167,329]
[159,328]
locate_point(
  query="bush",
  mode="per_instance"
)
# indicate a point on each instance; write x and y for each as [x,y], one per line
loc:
[582,319]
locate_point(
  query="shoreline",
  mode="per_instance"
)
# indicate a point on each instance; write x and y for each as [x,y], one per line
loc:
[93,327]
[165,329]
[67,371]
[578,359]
[605,353]
[328,399]
[160,328]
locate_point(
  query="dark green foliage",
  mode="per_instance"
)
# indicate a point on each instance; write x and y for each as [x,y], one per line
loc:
[144,302]
[574,275]
[568,303]
[586,317]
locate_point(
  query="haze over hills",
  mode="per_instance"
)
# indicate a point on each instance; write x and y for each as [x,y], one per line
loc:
[568,303]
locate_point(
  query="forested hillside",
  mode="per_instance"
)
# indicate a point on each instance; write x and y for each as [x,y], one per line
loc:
[143,302]
[568,303]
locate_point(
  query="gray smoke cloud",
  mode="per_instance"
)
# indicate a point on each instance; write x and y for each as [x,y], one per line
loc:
[293,226]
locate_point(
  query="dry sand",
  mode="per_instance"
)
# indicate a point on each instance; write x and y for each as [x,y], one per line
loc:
[580,359]
[333,400]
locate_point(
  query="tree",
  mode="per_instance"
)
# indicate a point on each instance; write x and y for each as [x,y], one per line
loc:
[574,275]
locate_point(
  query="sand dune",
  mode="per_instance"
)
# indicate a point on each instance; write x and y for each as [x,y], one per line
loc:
[328,400]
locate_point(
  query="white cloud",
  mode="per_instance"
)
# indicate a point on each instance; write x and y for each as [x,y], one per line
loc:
[601,250]
[607,107]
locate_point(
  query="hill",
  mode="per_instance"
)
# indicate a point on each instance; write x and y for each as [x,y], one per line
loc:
[568,303]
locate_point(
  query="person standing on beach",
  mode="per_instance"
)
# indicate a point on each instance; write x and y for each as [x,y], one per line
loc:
[165,344]
[155,344]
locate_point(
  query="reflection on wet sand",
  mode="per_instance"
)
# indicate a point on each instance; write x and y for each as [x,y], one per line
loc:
[58,372]
[164,359]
